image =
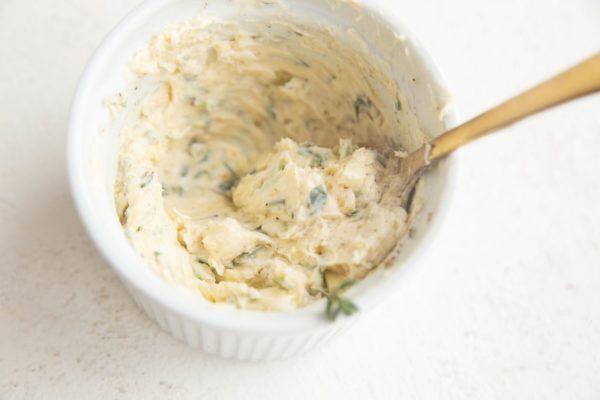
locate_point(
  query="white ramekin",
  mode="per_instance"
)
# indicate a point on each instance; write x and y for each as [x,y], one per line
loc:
[92,149]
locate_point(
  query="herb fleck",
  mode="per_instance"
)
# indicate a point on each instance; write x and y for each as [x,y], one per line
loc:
[147,178]
[232,181]
[178,190]
[280,202]
[231,170]
[184,171]
[245,255]
[346,149]
[205,157]
[337,303]
[362,105]
[270,109]
[317,199]
[317,158]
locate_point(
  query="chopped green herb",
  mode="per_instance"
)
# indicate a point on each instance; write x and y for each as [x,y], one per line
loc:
[362,105]
[346,148]
[398,105]
[232,181]
[184,171]
[347,306]
[231,170]
[345,285]
[336,303]
[205,157]
[227,185]
[317,199]
[280,202]
[197,150]
[317,160]
[199,174]
[147,178]
[247,254]
[270,108]
[178,190]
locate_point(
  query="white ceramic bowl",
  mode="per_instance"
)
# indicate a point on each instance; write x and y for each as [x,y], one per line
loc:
[219,329]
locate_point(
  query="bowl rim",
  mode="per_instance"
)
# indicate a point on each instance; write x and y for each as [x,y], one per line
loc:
[126,262]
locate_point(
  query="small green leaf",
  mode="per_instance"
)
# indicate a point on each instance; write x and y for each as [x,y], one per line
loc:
[363,105]
[227,185]
[317,160]
[247,254]
[346,148]
[232,181]
[231,170]
[329,308]
[345,285]
[317,199]
[178,190]
[184,171]
[347,306]
[336,303]
[147,178]
[270,108]
[280,202]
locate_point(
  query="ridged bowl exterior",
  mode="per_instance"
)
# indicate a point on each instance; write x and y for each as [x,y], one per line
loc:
[230,344]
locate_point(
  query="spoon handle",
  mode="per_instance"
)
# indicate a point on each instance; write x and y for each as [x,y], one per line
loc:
[582,79]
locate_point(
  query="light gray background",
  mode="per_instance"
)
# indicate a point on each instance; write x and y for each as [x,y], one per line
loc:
[506,306]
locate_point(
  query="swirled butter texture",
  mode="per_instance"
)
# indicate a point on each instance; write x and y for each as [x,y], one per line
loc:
[240,174]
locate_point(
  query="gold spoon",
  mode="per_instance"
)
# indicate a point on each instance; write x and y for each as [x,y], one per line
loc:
[580,80]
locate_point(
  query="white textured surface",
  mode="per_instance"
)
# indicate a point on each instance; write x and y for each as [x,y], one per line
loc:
[507,307]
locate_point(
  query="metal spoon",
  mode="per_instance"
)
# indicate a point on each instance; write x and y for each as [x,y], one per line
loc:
[580,80]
